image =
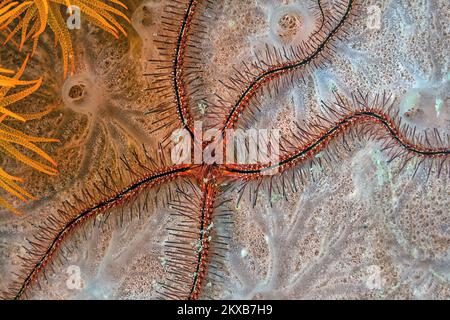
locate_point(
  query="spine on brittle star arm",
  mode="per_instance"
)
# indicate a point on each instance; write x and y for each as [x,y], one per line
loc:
[313,147]
[203,245]
[178,63]
[276,71]
[152,179]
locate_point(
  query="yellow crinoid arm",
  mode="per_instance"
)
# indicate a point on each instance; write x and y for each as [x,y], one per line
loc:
[7,71]
[12,11]
[31,18]
[27,19]
[97,12]
[42,8]
[37,115]
[11,82]
[13,142]
[5,204]
[6,83]
[102,15]
[10,137]
[62,36]
[7,147]
[8,100]
[9,183]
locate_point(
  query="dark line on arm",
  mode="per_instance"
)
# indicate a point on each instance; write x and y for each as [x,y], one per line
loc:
[330,132]
[86,213]
[305,61]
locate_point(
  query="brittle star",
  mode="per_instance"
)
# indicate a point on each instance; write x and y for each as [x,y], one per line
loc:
[196,242]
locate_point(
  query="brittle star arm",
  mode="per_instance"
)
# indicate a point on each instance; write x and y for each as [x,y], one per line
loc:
[207,207]
[276,71]
[78,219]
[171,69]
[178,84]
[193,242]
[372,118]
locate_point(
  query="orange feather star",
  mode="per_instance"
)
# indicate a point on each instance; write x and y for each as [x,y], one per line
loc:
[10,137]
[31,18]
